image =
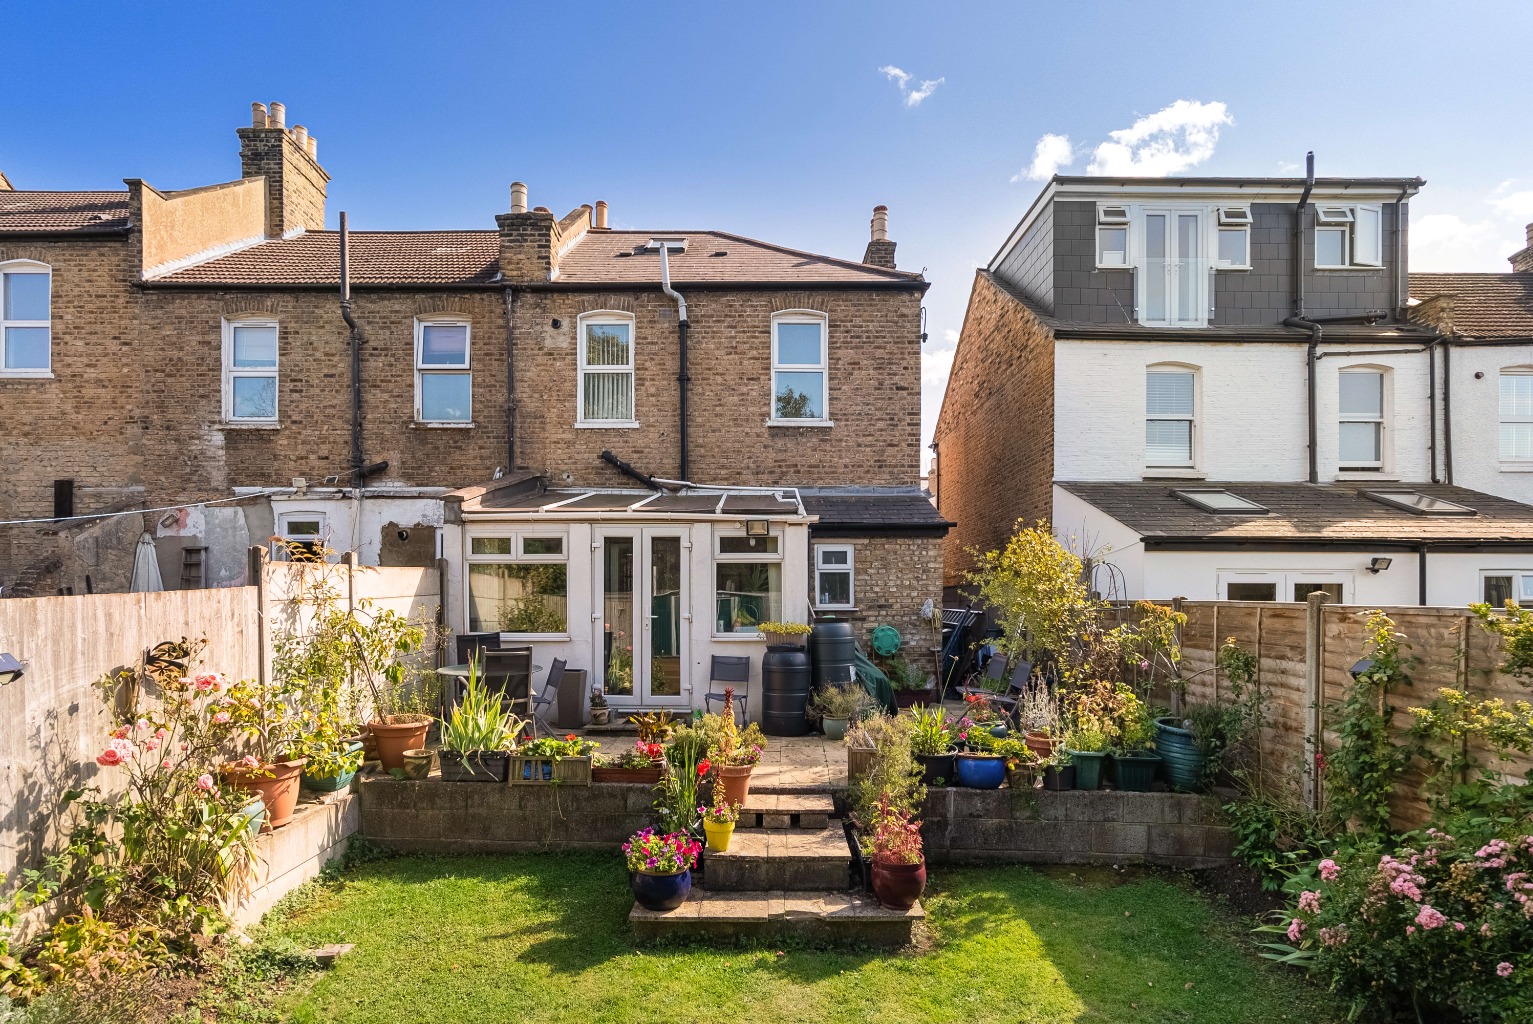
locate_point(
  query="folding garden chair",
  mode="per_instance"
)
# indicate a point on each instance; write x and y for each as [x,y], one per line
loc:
[509,671]
[550,692]
[729,670]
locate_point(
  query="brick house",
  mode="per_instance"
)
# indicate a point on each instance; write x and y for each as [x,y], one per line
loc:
[1218,388]
[193,349]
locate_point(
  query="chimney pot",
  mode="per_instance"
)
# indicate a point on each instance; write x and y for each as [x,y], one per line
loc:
[301,136]
[601,214]
[540,209]
[1529,231]
[313,149]
[880,224]
[258,115]
[518,197]
[278,118]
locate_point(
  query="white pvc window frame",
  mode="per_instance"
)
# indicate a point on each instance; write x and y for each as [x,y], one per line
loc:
[780,542]
[583,368]
[847,569]
[1519,584]
[424,369]
[233,372]
[1515,416]
[288,531]
[18,267]
[801,316]
[1360,230]
[1189,417]
[1379,420]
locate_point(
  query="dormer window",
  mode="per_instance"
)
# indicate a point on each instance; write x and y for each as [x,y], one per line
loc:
[1234,238]
[1348,236]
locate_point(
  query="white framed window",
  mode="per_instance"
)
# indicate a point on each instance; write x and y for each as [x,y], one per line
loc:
[1233,243]
[518,582]
[443,380]
[1170,399]
[605,365]
[300,531]
[800,368]
[250,369]
[747,582]
[1516,414]
[1112,236]
[1360,402]
[834,571]
[26,319]
[1498,586]
[1283,586]
[1349,236]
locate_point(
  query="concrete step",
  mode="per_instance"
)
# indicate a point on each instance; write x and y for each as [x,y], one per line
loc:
[785,859]
[809,811]
[815,916]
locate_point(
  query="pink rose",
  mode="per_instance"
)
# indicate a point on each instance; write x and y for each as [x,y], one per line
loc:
[1430,918]
[205,682]
[162,732]
[120,733]
[1503,970]
[249,760]
[1458,926]
[221,718]
[165,763]
[109,758]
[151,744]
[142,723]
[1329,872]
[205,783]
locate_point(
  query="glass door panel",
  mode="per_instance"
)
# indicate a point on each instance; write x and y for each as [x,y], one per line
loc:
[666,652]
[644,619]
[617,608]
[1188,275]
[1157,267]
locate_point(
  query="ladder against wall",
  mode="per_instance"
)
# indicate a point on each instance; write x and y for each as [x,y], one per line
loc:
[194,569]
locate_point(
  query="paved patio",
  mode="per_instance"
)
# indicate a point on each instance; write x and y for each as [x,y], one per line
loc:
[790,764]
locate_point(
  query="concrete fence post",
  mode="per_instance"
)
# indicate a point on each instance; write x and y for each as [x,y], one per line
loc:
[257,574]
[1314,693]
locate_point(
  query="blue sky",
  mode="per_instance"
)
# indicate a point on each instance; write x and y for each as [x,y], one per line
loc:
[776,120]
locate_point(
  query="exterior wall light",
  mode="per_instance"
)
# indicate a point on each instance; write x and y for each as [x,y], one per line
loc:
[757,527]
[1378,565]
[10,668]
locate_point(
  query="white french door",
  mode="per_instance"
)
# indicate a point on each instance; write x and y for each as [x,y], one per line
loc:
[1173,279]
[643,614]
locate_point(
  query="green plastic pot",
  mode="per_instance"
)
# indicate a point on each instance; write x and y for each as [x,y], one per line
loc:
[1136,771]
[1088,768]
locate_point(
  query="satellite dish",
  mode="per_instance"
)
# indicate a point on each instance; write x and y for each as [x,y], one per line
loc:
[928,608]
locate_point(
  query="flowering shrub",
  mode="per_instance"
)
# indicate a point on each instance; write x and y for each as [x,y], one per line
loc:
[648,850]
[896,838]
[640,755]
[1440,929]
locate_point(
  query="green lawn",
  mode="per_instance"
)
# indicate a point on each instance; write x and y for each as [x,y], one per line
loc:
[544,939]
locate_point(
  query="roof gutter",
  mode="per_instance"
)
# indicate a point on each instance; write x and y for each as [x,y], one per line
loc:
[683,378]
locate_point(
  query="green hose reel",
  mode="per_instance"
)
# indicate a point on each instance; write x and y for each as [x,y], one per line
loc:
[886,641]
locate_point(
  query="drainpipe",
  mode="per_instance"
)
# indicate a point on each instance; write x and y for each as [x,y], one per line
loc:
[628,471]
[1432,406]
[1298,234]
[682,377]
[1399,274]
[510,379]
[1421,575]
[1299,320]
[1448,411]
[356,360]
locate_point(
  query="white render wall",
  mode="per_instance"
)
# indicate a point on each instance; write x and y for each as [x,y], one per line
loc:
[1476,421]
[1250,410]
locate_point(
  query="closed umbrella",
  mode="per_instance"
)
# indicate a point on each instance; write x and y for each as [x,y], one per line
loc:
[146,567]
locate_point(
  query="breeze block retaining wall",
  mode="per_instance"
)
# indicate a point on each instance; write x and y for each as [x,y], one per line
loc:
[1177,830]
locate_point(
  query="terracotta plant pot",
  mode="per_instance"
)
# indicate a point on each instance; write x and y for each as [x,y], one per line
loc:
[276,785]
[1041,744]
[398,734]
[417,763]
[898,886]
[737,782]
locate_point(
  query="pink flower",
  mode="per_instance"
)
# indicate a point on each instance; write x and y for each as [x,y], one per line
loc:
[161,732]
[1430,918]
[1309,902]
[250,761]
[1295,930]
[109,758]
[205,783]
[1503,970]
[1329,872]
[1336,936]
[142,723]
[1458,926]
[165,763]
[151,744]
[221,718]
[1410,929]
[1485,929]
[205,682]
[185,746]
[120,733]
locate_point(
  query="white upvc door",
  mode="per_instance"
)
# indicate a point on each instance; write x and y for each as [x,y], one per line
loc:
[642,614]
[1174,269]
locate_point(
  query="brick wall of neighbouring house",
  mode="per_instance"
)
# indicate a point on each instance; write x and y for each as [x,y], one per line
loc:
[892,576]
[995,435]
[874,389]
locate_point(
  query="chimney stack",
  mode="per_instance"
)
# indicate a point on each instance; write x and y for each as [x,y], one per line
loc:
[288,160]
[880,251]
[1522,261]
[601,214]
[518,197]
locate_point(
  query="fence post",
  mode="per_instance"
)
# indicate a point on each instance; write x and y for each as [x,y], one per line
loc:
[1314,692]
[256,574]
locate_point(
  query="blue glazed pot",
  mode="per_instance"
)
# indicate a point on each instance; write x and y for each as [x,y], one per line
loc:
[661,892]
[254,814]
[1181,757]
[977,771]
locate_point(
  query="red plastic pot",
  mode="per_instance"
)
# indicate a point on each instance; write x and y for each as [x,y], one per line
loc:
[898,886]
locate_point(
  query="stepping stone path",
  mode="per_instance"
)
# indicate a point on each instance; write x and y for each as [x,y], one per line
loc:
[788,871]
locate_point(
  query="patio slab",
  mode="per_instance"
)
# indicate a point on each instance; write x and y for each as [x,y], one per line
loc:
[824,916]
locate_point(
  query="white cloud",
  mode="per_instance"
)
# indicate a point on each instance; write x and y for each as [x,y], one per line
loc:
[1168,141]
[1518,204]
[950,336]
[1051,153]
[936,364]
[902,79]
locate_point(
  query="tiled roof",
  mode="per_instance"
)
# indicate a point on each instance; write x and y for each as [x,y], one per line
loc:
[711,257]
[377,257]
[1299,512]
[49,212]
[847,513]
[1482,305]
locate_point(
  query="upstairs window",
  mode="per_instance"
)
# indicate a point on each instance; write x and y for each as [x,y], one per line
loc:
[1168,426]
[1348,236]
[250,370]
[1112,236]
[26,328]
[1516,415]
[1360,405]
[443,383]
[606,370]
[799,368]
[1234,238]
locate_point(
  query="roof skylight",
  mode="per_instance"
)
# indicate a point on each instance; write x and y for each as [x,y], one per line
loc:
[1220,501]
[1420,504]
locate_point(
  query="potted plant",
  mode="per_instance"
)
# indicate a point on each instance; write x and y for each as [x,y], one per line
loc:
[784,634]
[1135,761]
[979,766]
[1021,763]
[979,713]
[643,763]
[601,714]
[1087,747]
[280,731]
[912,686]
[403,714]
[1038,718]
[932,745]
[860,751]
[478,736]
[1058,771]
[733,755]
[553,760]
[719,819]
[836,707]
[899,863]
[332,765]
[661,866]
[417,764]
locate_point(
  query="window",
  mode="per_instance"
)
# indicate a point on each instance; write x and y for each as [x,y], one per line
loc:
[833,571]
[250,370]
[1168,417]
[26,328]
[1516,415]
[1500,586]
[518,583]
[799,368]
[1349,236]
[443,383]
[1419,504]
[1112,236]
[1218,500]
[1234,252]
[1360,409]
[606,370]
[747,578]
[1283,586]
[301,534]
